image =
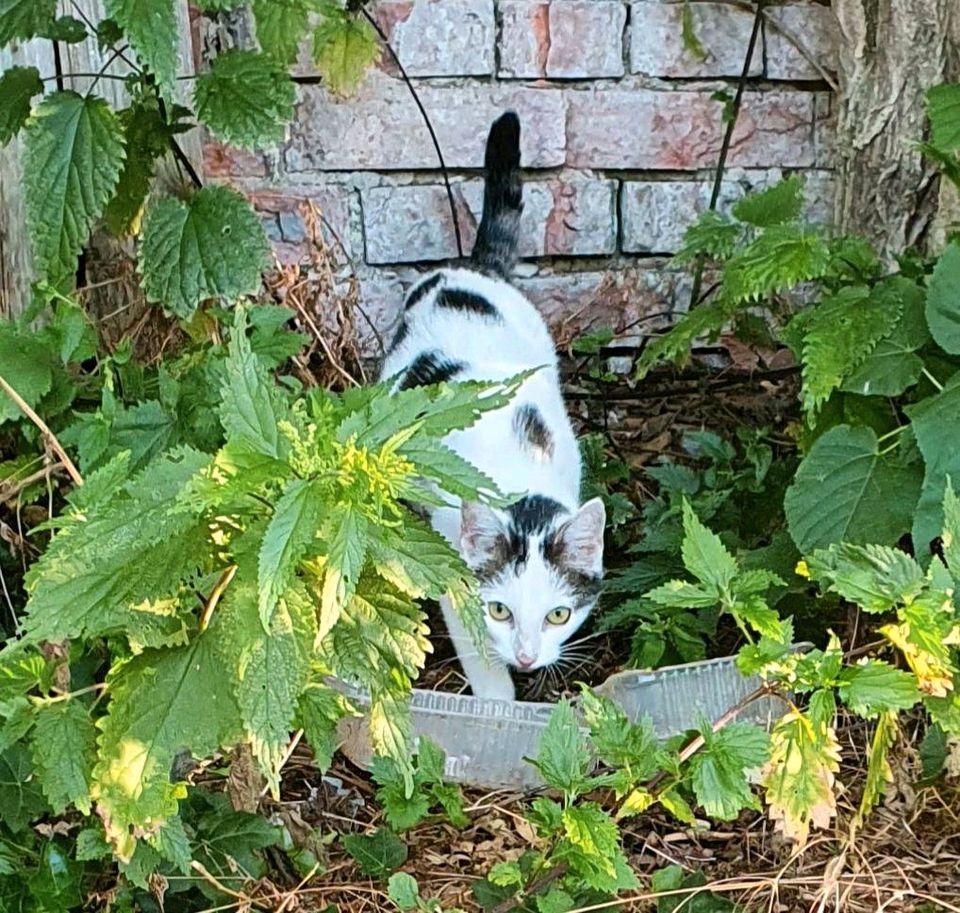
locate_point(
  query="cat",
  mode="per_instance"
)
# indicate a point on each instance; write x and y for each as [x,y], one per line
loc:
[539,562]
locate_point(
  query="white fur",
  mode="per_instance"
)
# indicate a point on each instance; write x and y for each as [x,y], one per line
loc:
[496,351]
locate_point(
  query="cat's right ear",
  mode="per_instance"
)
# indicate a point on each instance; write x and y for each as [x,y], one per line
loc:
[480,533]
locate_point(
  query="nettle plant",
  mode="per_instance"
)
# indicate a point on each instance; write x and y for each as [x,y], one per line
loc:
[87,164]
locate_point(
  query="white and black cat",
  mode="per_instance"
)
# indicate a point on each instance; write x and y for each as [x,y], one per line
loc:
[539,561]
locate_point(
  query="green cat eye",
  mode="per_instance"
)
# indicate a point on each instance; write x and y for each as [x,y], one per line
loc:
[498,611]
[558,616]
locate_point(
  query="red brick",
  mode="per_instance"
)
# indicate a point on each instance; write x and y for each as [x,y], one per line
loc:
[287,211]
[381,129]
[657,47]
[810,24]
[222,161]
[683,131]
[524,39]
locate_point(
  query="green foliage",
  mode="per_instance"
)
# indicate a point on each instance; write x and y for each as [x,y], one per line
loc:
[344,47]
[376,853]
[211,246]
[281,24]
[245,98]
[25,18]
[943,300]
[943,109]
[776,205]
[151,28]
[18,86]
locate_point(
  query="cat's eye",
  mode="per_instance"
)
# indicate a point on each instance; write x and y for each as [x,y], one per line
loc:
[498,611]
[559,616]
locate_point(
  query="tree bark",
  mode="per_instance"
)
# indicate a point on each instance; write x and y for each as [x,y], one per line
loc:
[890,53]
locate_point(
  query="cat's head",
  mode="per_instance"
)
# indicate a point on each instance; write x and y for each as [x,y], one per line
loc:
[539,567]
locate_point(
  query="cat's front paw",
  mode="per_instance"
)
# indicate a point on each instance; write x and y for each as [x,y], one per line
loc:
[495,684]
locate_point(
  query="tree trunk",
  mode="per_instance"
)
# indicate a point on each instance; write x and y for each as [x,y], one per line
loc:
[891,52]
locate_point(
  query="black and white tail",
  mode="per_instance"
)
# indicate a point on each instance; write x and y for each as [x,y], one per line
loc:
[496,247]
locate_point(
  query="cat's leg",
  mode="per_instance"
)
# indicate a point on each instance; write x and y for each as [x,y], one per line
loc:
[487,677]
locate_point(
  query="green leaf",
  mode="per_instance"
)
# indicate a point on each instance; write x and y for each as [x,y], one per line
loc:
[292,528]
[321,708]
[151,717]
[151,28]
[929,418]
[20,798]
[779,259]
[619,743]
[63,749]
[875,577]
[943,300]
[68,29]
[400,810]
[704,555]
[555,900]
[376,853]
[839,334]
[934,751]
[404,890]
[704,321]
[688,33]
[680,594]
[344,47]
[783,202]
[72,162]
[592,830]
[246,98]
[18,86]
[269,667]
[346,555]
[950,534]
[563,759]
[27,365]
[25,18]
[879,773]
[844,490]
[943,109]
[874,687]
[719,768]
[712,235]
[212,246]
[281,26]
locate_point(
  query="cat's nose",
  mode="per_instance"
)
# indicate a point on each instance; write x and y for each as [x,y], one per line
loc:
[524,661]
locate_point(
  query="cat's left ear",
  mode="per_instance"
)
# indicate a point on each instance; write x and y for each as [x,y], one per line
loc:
[582,538]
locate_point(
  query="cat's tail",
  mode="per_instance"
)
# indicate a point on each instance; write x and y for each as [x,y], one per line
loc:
[497,237]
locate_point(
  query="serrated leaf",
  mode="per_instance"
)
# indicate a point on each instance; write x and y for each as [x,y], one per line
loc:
[943,109]
[712,235]
[705,321]
[281,26]
[346,556]
[376,853]
[681,594]
[62,744]
[874,687]
[783,202]
[563,758]
[344,47]
[619,743]
[719,769]
[72,161]
[799,777]
[879,773]
[943,300]
[928,419]
[292,528]
[704,555]
[20,797]
[950,532]
[591,829]
[269,668]
[213,246]
[451,471]
[839,334]
[68,29]
[781,258]
[758,615]
[320,709]
[27,365]
[844,490]
[151,717]
[875,577]
[18,86]
[246,98]
[925,634]
[151,28]
[25,18]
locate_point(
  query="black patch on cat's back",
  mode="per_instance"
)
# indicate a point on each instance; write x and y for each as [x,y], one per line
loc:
[430,368]
[532,430]
[455,299]
[399,336]
[422,290]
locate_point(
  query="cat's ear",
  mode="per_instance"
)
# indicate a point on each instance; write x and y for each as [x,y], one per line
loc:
[480,533]
[581,539]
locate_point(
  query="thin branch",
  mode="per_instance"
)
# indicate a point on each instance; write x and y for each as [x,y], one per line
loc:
[426,120]
[10,489]
[215,595]
[47,434]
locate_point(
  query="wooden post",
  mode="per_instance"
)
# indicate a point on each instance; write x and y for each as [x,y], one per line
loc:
[16,271]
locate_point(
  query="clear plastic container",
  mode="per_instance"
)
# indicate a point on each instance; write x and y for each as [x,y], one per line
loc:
[486,741]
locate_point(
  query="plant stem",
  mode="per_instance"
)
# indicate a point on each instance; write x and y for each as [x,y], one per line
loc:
[933,380]
[43,701]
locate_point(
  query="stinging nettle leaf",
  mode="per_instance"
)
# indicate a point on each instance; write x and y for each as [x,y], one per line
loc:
[151,28]
[943,300]
[943,109]
[246,98]
[875,687]
[783,202]
[376,853]
[212,246]
[344,46]
[281,26]
[25,18]
[18,86]
[63,751]
[73,158]
[704,555]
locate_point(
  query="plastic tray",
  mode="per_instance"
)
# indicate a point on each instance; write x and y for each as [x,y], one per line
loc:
[486,741]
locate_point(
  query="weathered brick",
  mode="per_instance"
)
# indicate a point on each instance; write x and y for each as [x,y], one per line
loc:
[223,161]
[811,25]
[657,47]
[440,37]
[286,213]
[380,128]
[683,131]
[565,39]
[413,224]
[631,302]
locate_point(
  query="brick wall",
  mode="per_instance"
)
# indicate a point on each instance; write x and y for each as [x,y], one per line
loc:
[620,134]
